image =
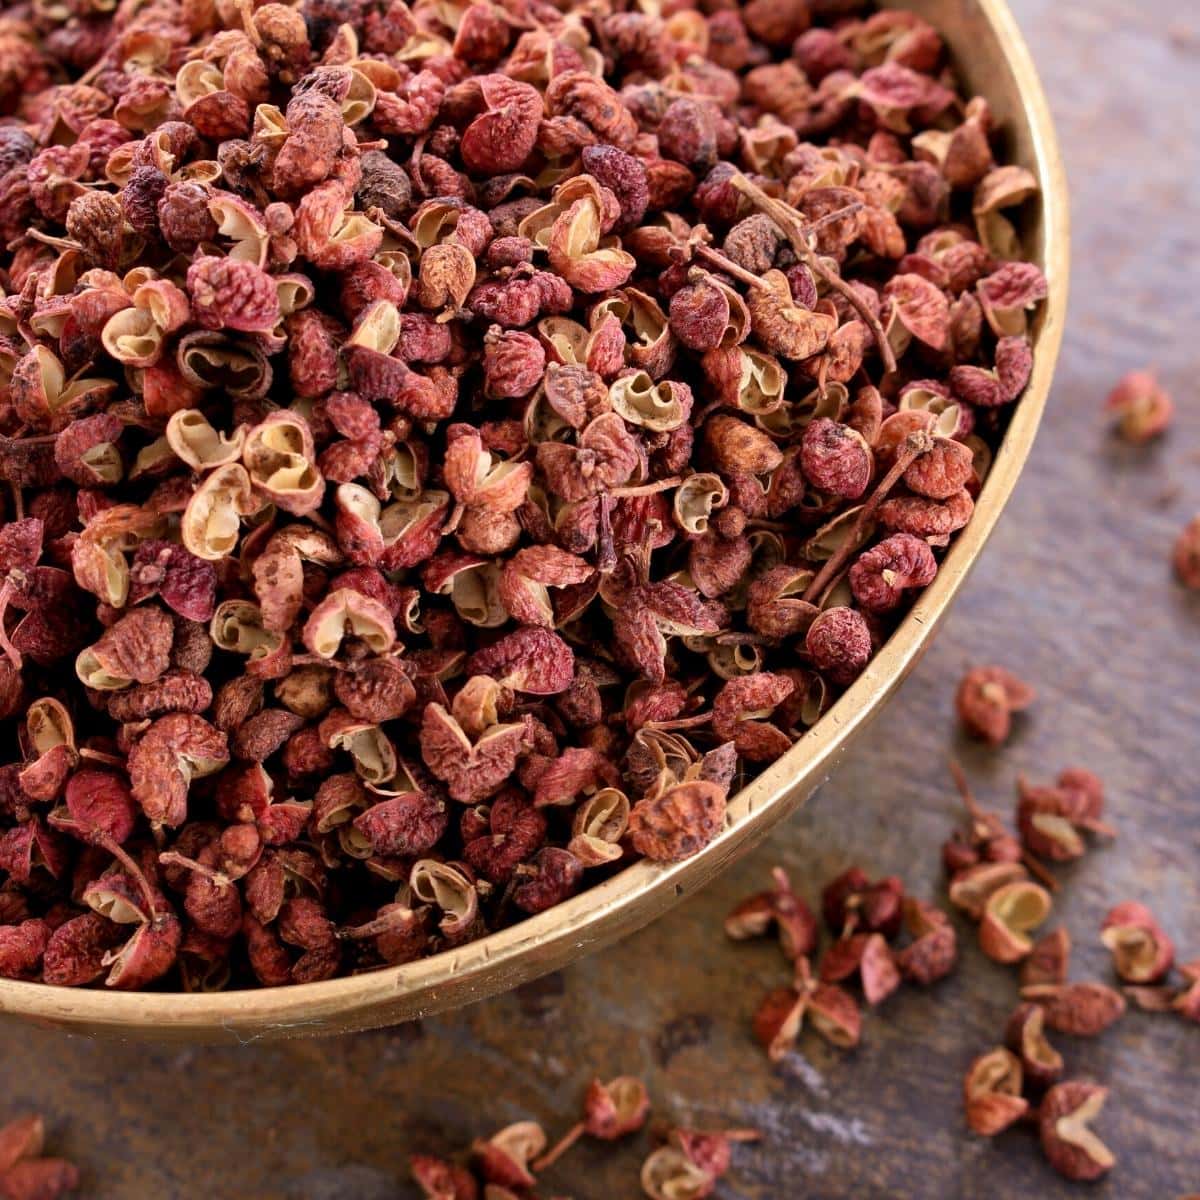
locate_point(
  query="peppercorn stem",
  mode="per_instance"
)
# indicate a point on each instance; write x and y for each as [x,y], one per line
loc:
[245,10]
[744,639]
[606,549]
[838,214]
[58,243]
[111,760]
[792,225]
[910,450]
[681,722]
[646,489]
[1034,865]
[1038,870]
[218,878]
[802,979]
[368,929]
[964,790]
[107,842]
[559,1148]
[716,259]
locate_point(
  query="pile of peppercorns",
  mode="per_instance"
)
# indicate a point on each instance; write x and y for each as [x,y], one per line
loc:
[446,447]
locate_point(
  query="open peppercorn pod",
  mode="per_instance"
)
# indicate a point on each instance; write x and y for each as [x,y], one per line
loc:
[339,537]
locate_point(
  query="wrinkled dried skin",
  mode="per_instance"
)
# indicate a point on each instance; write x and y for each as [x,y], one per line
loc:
[471,770]
[1049,960]
[1078,1009]
[678,823]
[162,764]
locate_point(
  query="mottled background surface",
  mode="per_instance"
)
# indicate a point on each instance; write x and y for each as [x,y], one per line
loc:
[1074,592]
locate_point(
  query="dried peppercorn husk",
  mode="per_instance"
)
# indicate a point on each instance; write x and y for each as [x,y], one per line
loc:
[1025,1037]
[933,951]
[1052,820]
[986,699]
[1064,1122]
[442,1180]
[1185,555]
[610,1110]
[992,1092]
[867,955]
[984,839]
[1009,915]
[691,1162]
[1187,1002]
[830,1009]
[1050,959]
[852,902]
[1081,1009]
[1142,953]
[971,886]
[782,908]
[408,439]
[687,1161]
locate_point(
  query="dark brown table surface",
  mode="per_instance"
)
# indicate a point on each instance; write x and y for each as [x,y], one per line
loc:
[1074,592]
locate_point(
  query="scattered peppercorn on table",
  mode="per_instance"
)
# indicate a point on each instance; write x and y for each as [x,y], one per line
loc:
[1075,595]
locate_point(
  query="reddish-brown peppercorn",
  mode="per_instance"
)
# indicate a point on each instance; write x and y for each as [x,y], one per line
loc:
[1142,407]
[986,699]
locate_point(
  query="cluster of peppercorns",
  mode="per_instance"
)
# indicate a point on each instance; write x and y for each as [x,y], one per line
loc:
[989,880]
[997,1085]
[446,443]
[686,1163]
[989,873]
[991,870]
[1021,1080]
[864,918]
[990,883]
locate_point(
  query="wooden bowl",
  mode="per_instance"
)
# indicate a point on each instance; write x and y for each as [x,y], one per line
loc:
[993,60]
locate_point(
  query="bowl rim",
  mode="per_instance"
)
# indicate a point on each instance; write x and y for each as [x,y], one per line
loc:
[630,898]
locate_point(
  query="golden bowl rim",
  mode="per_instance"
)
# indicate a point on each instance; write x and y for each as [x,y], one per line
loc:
[643,890]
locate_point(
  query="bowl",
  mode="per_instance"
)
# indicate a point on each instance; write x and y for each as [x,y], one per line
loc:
[993,60]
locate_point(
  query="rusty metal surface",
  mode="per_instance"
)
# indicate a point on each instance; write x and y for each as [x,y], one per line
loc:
[1074,591]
